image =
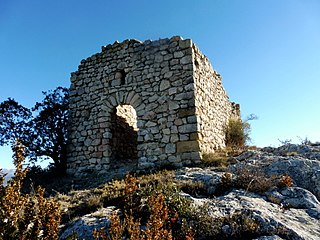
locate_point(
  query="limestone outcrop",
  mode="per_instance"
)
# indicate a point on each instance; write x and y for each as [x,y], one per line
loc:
[286,212]
[300,162]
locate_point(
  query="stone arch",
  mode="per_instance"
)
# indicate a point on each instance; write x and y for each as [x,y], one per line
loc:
[122,136]
[119,98]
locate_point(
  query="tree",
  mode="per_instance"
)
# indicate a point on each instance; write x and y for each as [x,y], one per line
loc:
[41,129]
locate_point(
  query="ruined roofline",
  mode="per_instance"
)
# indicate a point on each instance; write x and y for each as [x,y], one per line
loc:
[136,43]
[116,46]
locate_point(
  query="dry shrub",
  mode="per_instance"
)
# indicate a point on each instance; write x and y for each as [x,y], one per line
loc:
[227,182]
[235,133]
[112,193]
[152,208]
[194,188]
[238,225]
[285,181]
[242,225]
[222,158]
[159,222]
[292,154]
[254,180]
[158,226]
[115,193]
[26,216]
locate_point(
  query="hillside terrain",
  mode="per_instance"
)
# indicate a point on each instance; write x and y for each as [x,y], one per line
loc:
[268,193]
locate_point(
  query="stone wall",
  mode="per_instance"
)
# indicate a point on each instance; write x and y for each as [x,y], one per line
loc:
[179,102]
[212,105]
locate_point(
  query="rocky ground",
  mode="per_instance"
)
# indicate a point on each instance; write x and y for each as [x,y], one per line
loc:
[276,190]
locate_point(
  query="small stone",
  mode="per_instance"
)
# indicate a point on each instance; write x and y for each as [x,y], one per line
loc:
[187,43]
[172,159]
[178,122]
[174,138]
[168,74]
[170,148]
[165,139]
[192,119]
[158,58]
[172,90]
[165,84]
[173,105]
[178,54]
[168,57]
[184,137]
[150,124]
[186,60]
[187,128]
[166,131]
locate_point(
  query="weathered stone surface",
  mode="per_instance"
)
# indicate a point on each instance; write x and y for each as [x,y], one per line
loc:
[297,222]
[164,85]
[187,146]
[273,237]
[295,197]
[278,161]
[173,105]
[187,128]
[83,227]
[294,210]
[167,79]
[170,148]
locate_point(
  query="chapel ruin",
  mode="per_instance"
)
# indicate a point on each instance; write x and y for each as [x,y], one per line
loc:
[141,105]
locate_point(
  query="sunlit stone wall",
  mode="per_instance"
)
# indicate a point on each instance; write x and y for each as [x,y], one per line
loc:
[179,102]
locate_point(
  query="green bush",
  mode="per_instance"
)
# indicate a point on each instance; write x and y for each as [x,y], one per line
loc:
[237,132]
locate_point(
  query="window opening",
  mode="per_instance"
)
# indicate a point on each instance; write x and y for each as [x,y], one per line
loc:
[123,77]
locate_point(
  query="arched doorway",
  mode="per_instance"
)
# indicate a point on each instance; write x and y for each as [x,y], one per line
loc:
[124,136]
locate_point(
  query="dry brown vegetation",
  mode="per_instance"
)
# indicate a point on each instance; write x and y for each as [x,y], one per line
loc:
[148,207]
[168,215]
[26,216]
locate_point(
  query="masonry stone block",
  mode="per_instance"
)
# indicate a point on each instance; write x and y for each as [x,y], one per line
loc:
[187,146]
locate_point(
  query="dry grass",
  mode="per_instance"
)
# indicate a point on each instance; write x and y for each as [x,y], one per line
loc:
[216,159]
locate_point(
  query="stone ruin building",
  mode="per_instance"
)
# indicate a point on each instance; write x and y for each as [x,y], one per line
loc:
[140,105]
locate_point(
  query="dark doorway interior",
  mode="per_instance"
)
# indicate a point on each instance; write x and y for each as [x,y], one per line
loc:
[124,136]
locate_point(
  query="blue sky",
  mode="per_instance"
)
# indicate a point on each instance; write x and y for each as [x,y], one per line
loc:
[268,52]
